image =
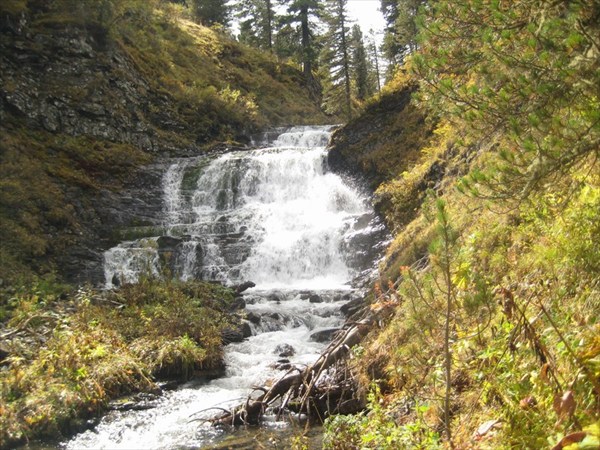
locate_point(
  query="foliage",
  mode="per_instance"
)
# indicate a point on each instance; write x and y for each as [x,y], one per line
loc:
[379,428]
[361,67]
[81,351]
[257,22]
[400,39]
[511,92]
[210,12]
[303,13]
[335,55]
[526,72]
[35,169]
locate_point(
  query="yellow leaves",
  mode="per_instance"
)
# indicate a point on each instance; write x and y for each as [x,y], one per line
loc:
[544,373]
[461,276]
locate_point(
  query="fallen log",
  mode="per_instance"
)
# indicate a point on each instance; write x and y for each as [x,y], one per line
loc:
[300,387]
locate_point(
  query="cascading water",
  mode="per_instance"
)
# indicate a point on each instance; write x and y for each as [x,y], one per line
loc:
[274,216]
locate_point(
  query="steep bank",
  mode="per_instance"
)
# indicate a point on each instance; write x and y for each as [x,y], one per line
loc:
[519,278]
[88,100]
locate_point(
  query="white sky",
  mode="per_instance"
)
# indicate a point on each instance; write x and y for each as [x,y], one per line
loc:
[367,14]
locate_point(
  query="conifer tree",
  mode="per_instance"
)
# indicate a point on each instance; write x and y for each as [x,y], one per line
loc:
[256,18]
[303,13]
[336,57]
[529,72]
[374,58]
[210,12]
[363,81]
[401,32]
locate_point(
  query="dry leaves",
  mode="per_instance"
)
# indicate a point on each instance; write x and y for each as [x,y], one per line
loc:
[564,406]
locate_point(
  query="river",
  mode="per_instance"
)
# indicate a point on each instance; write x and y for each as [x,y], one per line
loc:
[275,216]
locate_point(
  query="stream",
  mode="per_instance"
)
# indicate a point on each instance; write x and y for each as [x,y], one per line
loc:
[277,217]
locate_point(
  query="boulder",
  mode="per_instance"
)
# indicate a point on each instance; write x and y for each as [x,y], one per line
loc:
[284,350]
[243,286]
[324,335]
[315,298]
[168,242]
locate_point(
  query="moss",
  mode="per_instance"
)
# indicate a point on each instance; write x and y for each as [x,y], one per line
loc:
[13,7]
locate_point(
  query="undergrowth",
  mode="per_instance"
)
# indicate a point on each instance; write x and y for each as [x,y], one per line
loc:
[525,353]
[69,353]
[518,284]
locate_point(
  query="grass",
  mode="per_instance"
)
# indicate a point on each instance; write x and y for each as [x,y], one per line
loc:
[72,352]
[37,171]
[525,320]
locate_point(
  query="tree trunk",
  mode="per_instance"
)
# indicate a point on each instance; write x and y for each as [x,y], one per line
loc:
[346,63]
[306,50]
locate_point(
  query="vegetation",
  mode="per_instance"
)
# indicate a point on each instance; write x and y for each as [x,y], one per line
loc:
[336,54]
[494,276]
[71,352]
[483,149]
[186,87]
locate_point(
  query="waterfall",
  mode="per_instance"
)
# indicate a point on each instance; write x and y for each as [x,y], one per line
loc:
[275,216]
[172,195]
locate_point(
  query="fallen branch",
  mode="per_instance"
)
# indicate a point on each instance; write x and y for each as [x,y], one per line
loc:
[302,385]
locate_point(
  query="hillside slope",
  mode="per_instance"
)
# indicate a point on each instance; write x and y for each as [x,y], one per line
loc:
[90,96]
[491,285]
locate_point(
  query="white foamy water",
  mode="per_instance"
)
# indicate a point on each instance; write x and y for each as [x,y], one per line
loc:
[275,216]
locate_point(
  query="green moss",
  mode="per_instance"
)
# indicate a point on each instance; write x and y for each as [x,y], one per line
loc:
[13,7]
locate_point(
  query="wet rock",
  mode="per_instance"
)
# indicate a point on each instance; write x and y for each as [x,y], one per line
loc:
[282,364]
[284,350]
[116,281]
[246,329]
[238,333]
[137,402]
[253,318]
[325,335]
[168,242]
[315,298]
[353,307]
[275,297]
[238,303]
[243,286]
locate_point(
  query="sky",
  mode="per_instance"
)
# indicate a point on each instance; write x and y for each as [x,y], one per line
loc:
[366,13]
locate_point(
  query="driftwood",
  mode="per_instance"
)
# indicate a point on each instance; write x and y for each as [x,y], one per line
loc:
[303,390]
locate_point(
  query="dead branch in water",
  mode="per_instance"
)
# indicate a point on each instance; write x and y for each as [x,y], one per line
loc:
[298,389]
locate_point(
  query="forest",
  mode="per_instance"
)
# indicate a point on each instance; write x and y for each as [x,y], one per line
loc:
[473,126]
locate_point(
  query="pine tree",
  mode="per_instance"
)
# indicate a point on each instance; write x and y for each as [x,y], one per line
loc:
[528,72]
[303,12]
[363,81]
[210,12]
[400,37]
[374,58]
[256,19]
[336,57]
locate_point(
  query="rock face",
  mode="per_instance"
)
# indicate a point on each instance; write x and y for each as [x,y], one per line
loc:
[75,80]
[382,141]
[72,82]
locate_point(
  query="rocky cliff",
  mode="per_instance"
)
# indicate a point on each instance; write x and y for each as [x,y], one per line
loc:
[88,111]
